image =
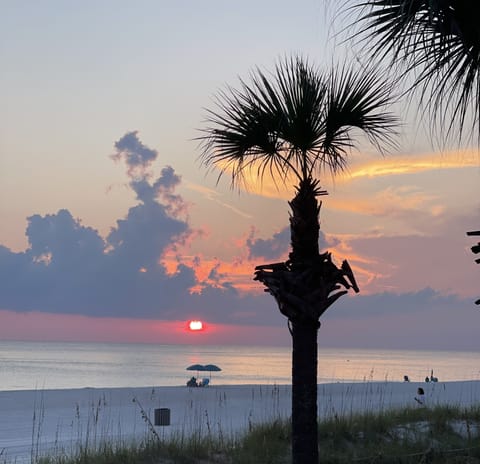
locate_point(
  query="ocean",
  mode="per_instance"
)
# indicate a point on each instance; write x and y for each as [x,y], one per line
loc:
[56,365]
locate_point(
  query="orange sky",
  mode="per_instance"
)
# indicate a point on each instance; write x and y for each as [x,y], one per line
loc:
[112,230]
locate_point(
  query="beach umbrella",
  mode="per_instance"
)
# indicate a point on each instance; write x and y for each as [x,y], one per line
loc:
[211,368]
[196,367]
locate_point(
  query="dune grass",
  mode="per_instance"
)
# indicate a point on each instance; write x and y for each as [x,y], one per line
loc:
[414,435]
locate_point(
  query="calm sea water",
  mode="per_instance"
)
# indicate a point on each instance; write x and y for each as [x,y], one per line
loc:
[52,365]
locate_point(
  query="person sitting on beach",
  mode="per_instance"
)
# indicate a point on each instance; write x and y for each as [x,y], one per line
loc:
[420,398]
[192,382]
[203,382]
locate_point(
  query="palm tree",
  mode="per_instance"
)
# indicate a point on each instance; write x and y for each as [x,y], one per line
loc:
[439,42]
[290,125]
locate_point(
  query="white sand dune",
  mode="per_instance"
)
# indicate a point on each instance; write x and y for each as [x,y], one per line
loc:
[58,421]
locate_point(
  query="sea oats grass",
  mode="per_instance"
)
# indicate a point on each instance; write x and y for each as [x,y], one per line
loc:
[437,435]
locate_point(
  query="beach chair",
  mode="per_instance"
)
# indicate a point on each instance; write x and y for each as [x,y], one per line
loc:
[204,382]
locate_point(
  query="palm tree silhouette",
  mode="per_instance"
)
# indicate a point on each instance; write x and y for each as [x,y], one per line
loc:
[437,41]
[292,125]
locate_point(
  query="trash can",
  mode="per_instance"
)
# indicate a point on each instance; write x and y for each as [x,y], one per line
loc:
[162,416]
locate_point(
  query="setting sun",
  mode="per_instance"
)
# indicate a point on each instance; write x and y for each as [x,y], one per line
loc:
[195,325]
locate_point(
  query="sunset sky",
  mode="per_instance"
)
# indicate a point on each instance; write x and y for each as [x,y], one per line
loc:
[111,229]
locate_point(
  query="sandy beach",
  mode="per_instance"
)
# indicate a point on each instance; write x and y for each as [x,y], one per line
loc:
[58,421]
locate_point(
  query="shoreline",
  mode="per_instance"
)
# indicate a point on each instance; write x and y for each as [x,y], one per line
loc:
[50,421]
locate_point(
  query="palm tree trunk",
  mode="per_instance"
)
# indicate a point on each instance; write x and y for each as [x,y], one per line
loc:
[304,227]
[304,287]
[304,393]
[304,223]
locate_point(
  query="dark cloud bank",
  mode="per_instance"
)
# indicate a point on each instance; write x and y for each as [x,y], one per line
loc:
[69,268]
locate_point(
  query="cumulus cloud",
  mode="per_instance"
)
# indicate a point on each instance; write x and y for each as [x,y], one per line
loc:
[70,268]
[138,159]
[275,247]
[278,245]
[136,155]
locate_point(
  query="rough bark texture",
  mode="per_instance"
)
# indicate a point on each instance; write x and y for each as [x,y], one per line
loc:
[304,224]
[304,230]
[304,287]
[304,393]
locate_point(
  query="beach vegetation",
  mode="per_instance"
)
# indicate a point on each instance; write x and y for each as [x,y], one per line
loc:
[441,434]
[291,126]
[437,435]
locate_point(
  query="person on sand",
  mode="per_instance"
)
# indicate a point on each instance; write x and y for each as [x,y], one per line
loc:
[420,398]
[192,382]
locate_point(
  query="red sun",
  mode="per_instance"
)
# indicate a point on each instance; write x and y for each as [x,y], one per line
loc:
[195,326]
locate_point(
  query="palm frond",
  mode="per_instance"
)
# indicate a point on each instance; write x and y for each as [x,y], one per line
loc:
[355,100]
[440,41]
[295,121]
